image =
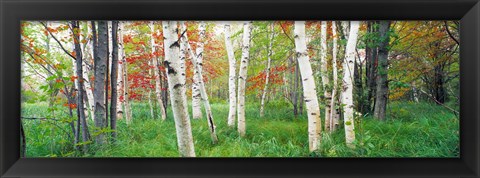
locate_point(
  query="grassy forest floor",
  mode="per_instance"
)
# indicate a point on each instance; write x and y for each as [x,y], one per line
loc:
[411,130]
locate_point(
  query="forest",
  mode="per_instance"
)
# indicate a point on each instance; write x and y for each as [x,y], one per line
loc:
[240,89]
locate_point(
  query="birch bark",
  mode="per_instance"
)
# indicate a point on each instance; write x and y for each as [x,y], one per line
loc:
[176,84]
[347,93]
[196,93]
[324,73]
[231,76]
[156,63]
[333,109]
[309,91]
[242,78]
[268,69]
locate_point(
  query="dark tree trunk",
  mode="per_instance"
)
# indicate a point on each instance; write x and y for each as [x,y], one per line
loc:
[370,66]
[106,79]
[358,89]
[101,57]
[439,94]
[382,72]
[114,73]
[23,148]
[79,81]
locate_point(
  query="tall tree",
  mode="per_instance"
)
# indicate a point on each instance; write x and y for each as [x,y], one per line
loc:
[309,91]
[201,84]
[267,71]
[231,77]
[196,93]
[101,58]
[176,85]
[114,75]
[121,64]
[333,109]
[156,70]
[382,71]
[242,77]
[79,83]
[371,61]
[347,93]
[324,73]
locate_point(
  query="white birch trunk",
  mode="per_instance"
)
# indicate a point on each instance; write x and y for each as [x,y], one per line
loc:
[242,78]
[231,77]
[347,94]
[87,52]
[324,73]
[110,47]
[182,55]
[333,110]
[196,95]
[120,82]
[269,55]
[201,84]
[309,91]
[126,94]
[156,64]
[176,85]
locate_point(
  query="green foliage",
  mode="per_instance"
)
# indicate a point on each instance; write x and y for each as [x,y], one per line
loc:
[411,130]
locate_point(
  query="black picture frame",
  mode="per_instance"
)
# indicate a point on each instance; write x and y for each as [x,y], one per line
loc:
[13,11]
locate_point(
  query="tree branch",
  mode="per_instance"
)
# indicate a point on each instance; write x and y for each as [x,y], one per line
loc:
[55,38]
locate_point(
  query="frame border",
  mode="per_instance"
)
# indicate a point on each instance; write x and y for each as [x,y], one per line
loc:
[13,11]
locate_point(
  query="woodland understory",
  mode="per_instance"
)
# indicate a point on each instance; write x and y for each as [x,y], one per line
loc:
[240,89]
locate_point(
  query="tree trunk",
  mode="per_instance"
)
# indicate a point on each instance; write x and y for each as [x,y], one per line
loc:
[101,58]
[333,109]
[231,77]
[126,94]
[114,75]
[79,83]
[270,45]
[309,91]
[201,84]
[196,95]
[121,64]
[156,70]
[382,72]
[347,95]
[371,64]
[242,77]
[176,85]
[86,67]
[324,73]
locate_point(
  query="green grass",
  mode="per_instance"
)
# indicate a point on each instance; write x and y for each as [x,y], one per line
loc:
[411,130]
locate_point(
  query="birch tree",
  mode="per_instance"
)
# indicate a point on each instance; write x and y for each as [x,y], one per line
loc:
[231,77]
[324,69]
[309,91]
[101,58]
[156,63]
[347,93]
[176,85]
[125,93]
[87,54]
[196,95]
[121,63]
[333,109]
[201,84]
[242,77]
[269,56]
